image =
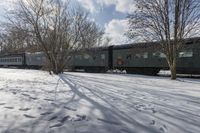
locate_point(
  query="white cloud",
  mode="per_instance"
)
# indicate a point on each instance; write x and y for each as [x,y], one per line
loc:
[7,4]
[115,30]
[124,6]
[88,4]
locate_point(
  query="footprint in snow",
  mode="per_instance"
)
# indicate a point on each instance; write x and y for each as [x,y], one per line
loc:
[9,107]
[33,98]
[22,131]
[29,116]
[27,95]
[80,118]
[68,108]
[56,105]
[56,125]
[153,122]
[154,111]
[65,119]
[46,99]
[53,118]
[24,109]
[14,93]
[164,128]
[109,122]
[46,113]
[2,104]
[125,131]
[140,107]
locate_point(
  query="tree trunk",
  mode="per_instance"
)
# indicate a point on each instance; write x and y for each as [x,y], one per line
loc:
[173,69]
[57,68]
[172,66]
[173,72]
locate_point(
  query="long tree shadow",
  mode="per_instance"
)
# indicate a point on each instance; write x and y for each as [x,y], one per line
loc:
[112,110]
[111,113]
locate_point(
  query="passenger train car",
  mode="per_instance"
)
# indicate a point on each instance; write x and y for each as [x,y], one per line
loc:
[23,60]
[143,58]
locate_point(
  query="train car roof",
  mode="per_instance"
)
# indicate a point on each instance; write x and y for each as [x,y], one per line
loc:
[19,54]
[134,45]
[150,44]
[102,48]
[11,54]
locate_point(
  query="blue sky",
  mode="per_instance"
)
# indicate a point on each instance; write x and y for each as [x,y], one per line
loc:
[109,14]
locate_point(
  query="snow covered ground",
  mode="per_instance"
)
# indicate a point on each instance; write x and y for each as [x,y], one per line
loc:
[35,102]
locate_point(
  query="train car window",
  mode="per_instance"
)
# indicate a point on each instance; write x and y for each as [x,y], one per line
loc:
[38,58]
[78,57]
[141,55]
[94,57]
[185,54]
[86,56]
[137,56]
[159,55]
[128,56]
[190,42]
[162,55]
[103,57]
[145,55]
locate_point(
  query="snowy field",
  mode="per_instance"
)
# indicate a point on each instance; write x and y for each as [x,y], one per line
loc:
[35,102]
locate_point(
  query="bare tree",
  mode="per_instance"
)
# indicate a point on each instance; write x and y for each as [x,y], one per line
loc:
[106,41]
[14,40]
[166,21]
[90,34]
[56,28]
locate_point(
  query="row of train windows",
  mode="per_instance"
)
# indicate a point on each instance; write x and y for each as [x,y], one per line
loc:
[139,55]
[145,55]
[10,59]
[86,56]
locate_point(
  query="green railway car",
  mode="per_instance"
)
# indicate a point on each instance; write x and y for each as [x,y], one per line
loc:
[91,60]
[145,58]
